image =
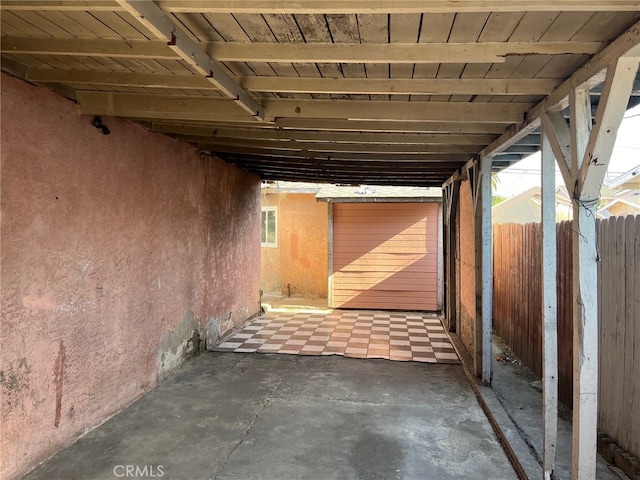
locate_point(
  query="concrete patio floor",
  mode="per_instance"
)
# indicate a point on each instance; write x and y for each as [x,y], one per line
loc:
[267,416]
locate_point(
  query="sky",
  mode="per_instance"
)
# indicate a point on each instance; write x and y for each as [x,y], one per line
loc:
[626,155]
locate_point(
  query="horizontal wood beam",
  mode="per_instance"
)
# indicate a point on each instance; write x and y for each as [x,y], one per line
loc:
[396,53]
[387,126]
[62,5]
[329,125]
[323,136]
[334,6]
[350,175]
[331,147]
[327,178]
[396,6]
[142,106]
[249,152]
[337,163]
[347,86]
[411,111]
[212,109]
[400,86]
[587,77]
[87,47]
[346,168]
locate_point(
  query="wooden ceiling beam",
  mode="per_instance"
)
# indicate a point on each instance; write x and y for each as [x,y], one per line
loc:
[347,86]
[62,5]
[335,6]
[400,86]
[393,53]
[390,169]
[387,126]
[214,109]
[87,47]
[331,147]
[148,14]
[201,55]
[322,136]
[347,156]
[324,177]
[396,6]
[328,125]
[408,111]
[142,106]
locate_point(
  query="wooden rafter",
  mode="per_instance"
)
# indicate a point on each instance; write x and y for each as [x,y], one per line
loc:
[346,156]
[323,136]
[333,147]
[413,111]
[342,125]
[347,86]
[212,109]
[393,53]
[334,6]
[160,106]
[400,86]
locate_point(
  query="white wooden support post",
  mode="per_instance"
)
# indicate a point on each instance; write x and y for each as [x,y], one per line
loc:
[486,268]
[585,341]
[585,313]
[591,153]
[549,311]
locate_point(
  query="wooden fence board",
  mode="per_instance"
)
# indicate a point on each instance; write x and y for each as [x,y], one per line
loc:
[517,314]
[617,291]
[630,326]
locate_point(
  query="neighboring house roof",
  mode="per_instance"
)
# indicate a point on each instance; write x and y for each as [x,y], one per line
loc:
[627,181]
[368,193]
[525,207]
[619,206]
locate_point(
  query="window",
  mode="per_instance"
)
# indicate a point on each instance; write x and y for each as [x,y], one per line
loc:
[269,234]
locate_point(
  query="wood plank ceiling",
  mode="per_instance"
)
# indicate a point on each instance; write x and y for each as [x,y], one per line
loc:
[401,92]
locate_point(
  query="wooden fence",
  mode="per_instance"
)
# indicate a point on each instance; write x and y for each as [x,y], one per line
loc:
[517,314]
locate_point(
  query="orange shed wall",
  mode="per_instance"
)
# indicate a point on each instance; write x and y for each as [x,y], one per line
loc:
[385,255]
[115,250]
[467,268]
[300,259]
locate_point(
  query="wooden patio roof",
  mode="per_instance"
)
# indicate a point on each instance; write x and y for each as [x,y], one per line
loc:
[398,92]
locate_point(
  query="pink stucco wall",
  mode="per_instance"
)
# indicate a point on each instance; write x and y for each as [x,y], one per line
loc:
[301,256]
[117,252]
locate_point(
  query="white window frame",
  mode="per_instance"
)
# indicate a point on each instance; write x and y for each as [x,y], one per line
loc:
[269,244]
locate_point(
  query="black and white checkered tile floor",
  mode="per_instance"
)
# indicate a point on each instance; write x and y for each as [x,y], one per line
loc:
[413,336]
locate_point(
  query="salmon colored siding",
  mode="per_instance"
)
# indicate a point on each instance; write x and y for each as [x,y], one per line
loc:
[385,256]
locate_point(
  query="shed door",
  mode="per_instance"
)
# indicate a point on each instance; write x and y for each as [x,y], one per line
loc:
[385,256]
